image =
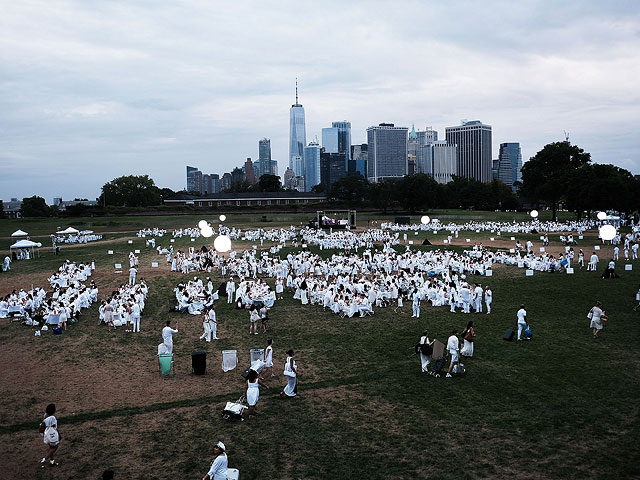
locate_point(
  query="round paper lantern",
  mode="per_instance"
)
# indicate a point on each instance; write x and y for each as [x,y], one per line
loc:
[222,243]
[602,215]
[202,224]
[223,218]
[207,232]
[425,219]
[534,214]
[607,232]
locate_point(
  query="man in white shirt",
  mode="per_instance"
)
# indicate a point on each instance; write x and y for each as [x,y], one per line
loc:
[135,316]
[522,320]
[230,289]
[167,336]
[453,347]
[593,262]
[132,275]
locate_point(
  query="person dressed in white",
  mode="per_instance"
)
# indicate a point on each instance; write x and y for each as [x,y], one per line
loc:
[230,289]
[7,263]
[252,390]
[209,324]
[167,336]
[132,275]
[416,305]
[424,358]
[593,262]
[453,346]
[135,316]
[218,469]
[268,359]
[488,298]
[522,320]
[468,336]
[478,299]
[291,372]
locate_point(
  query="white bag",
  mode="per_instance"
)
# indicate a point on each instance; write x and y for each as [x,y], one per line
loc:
[51,436]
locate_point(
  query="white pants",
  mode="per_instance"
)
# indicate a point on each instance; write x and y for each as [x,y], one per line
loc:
[416,310]
[425,359]
[214,329]
[135,320]
[521,327]
[230,297]
[132,279]
[207,331]
[488,307]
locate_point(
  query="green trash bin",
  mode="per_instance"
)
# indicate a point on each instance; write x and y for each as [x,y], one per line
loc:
[166,359]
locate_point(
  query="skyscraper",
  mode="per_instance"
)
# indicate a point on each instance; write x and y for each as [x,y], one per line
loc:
[444,161]
[331,168]
[510,164]
[264,157]
[337,139]
[311,165]
[194,181]
[387,152]
[358,162]
[249,174]
[297,135]
[474,149]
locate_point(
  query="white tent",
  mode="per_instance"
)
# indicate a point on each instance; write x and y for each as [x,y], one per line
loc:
[68,231]
[20,244]
[19,233]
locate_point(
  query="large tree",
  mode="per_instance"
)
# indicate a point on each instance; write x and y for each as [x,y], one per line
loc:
[131,191]
[35,207]
[268,183]
[547,175]
[351,189]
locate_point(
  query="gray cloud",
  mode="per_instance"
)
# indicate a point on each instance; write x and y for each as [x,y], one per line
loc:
[93,90]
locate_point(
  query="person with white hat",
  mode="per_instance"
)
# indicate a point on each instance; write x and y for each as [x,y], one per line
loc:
[218,469]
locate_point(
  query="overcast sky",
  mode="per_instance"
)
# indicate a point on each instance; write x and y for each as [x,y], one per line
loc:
[92,90]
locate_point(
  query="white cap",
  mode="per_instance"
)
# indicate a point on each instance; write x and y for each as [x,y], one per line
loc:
[220,445]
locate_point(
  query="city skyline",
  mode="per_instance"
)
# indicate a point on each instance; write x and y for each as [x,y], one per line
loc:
[90,94]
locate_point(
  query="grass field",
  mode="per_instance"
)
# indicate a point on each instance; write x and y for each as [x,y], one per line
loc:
[563,405]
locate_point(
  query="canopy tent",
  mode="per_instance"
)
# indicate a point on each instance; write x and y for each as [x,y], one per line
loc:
[28,244]
[86,232]
[19,233]
[68,231]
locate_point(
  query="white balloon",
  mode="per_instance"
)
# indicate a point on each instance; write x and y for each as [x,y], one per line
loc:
[207,232]
[223,218]
[602,215]
[534,214]
[607,232]
[425,219]
[202,224]
[222,243]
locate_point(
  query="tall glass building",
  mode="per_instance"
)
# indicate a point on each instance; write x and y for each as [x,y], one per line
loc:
[297,135]
[510,163]
[194,181]
[474,149]
[263,165]
[311,165]
[387,154]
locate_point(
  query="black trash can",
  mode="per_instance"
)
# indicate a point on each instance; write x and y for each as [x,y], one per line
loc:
[199,363]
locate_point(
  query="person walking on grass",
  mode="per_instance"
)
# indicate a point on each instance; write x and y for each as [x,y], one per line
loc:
[521,315]
[453,346]
[252,390]
[291,372]
[425,358]
[49,430]
[268,359]
[597,317]
[167,336]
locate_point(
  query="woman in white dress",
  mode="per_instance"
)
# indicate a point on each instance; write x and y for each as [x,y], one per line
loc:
[425,359]
[291,372]
[596,315]
[252,390]
[268,359]
[468,336]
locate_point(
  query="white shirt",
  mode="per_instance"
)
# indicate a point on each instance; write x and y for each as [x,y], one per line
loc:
[522,316]
[167,335]
[453,344]
[218,470]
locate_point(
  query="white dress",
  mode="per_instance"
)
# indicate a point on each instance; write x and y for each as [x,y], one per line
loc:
[253,392]
[291,377]
[268,357]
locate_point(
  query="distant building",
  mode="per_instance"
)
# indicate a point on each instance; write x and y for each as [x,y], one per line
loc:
[331,168]
[387,152]
[249,199]
[263,165]
[289,174]
[444,161]
[297,134]
[311,165]
[56,201]
[12,208]
[225,182]
[249,174]
[194,179]
[495,168]
[70,203]
[337,139]
[358,162]
[210,183]
[474,149]
[510,164]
